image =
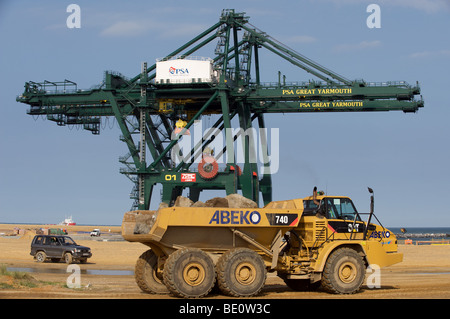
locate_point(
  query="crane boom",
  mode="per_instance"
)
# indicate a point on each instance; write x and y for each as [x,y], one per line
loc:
[148,110]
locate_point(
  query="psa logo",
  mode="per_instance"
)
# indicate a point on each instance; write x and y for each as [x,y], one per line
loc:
[180,71]
[237,217]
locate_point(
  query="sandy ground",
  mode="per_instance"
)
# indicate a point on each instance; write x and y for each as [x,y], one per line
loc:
[424,274]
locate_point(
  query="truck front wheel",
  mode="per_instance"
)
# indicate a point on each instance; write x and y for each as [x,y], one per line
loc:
[147,275]
[344,272]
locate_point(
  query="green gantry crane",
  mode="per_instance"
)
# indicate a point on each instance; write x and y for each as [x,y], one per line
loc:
[154,111]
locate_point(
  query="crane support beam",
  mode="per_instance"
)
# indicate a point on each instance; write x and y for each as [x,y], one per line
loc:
[154,115]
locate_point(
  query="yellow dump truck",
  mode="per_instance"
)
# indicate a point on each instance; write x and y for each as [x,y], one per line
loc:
[319,240]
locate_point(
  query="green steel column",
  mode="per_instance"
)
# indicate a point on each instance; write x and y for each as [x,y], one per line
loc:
[248,180]
[124,128]
[148,191]
[237,77]
[229,141]
[175,140]
[265,184]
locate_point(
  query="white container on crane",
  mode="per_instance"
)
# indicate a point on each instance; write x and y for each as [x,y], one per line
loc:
[187,70]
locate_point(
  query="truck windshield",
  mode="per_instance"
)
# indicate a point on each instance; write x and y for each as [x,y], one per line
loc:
[333,208]
[340,208]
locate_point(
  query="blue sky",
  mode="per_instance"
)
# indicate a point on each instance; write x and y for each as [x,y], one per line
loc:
[49,172]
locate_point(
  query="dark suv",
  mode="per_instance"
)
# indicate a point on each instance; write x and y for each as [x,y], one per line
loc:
[58,247]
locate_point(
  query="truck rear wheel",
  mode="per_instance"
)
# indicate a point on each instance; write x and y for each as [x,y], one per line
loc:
[344,272]
[241,273]
[147,276]
[189,273]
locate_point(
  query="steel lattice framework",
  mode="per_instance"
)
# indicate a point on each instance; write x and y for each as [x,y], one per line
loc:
[147,112]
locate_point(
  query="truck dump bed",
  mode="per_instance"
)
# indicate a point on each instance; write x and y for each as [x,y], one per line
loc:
[211,228]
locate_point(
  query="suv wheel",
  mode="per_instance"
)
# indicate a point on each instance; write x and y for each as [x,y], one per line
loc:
[40,256]
[68,258]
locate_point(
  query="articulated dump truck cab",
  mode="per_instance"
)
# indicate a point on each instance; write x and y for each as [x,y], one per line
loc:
[192,249]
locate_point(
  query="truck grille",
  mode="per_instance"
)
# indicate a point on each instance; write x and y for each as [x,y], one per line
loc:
[321,231]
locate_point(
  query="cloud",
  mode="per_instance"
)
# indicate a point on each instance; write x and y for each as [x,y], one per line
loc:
[182,29]
[300,39]
[126,29]
[363,45]
[163,22]
[131,28]
[60,26]
[430,54]
[429,6]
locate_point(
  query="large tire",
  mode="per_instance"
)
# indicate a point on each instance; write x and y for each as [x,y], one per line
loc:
[147,276]
[241,272]
[40,256]
[189,273]
[68,258]
[344,272]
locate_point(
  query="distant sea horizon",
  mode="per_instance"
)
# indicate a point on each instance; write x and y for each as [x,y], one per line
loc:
[77,224]
[421,233]
[415,230]
[395,230]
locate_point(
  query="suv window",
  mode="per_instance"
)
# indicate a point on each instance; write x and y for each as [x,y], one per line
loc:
[38,240]
[51,241]
[67,241]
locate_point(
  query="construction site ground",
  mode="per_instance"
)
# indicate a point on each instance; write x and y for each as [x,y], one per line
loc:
[423,274]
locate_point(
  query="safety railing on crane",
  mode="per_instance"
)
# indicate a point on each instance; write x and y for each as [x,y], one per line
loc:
[48,87]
